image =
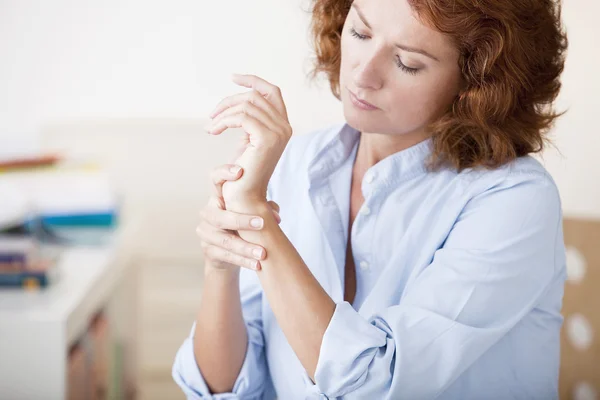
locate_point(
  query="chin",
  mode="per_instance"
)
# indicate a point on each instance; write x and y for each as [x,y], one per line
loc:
[362,122]
[354,121]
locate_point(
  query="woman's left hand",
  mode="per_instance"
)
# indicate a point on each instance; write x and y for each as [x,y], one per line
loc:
[261,113]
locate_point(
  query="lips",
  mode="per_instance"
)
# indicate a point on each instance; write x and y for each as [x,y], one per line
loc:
[356,98]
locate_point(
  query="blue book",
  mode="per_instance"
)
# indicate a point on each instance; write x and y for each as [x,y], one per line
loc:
[93,219]
[12,257]
[25,279]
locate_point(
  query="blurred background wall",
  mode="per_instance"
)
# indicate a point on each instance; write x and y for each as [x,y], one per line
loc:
[69,59]
[131,82]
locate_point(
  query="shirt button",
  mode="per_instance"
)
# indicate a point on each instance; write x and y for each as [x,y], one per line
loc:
[365,210]
[364,265]
[370,177]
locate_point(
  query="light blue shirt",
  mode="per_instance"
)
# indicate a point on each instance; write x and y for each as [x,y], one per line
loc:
[460,280]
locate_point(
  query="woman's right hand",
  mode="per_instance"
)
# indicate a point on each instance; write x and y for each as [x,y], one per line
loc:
[223,248]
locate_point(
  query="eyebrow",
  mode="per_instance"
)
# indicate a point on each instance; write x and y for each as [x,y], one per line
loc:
[400,46]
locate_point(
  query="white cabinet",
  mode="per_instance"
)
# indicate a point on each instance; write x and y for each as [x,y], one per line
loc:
[38,328]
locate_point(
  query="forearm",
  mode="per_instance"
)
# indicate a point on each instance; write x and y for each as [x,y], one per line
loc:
[220,340]
[302,307]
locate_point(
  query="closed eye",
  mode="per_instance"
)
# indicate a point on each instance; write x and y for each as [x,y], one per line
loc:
[408,70]
[357,35]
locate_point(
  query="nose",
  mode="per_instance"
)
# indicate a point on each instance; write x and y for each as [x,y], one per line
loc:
[368,75]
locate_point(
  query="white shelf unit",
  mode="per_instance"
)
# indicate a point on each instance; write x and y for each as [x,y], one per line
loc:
[37,328]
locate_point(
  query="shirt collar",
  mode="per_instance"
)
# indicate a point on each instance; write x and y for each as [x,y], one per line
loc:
[399,166]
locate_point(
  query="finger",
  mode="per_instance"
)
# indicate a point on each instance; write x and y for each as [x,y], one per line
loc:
[221,255]
[275,210]
[274,205]
[269,91]
[230,242]
[225,219]
[215,202]
[259,134]
[223,173]
[250,109]
[252,96]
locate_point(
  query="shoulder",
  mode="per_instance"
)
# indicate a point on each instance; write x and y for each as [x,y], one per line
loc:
[519,193]
[521,175]
[511,215]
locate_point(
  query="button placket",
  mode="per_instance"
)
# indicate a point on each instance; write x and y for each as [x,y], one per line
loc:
[364,236]
[370,183]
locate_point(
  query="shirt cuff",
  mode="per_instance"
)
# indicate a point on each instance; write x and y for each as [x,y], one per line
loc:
[349,345]
[187,375]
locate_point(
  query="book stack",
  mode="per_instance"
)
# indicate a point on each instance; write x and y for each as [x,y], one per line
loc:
[22,263]
[47,202]
[63,192]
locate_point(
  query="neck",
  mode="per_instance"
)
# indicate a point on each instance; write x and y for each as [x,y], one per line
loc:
[374,147]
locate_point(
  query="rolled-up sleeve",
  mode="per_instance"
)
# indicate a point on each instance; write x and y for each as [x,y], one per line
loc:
[492,270]
[251,380]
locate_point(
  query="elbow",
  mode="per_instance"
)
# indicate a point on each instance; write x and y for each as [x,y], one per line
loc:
[366,376]
[219,377]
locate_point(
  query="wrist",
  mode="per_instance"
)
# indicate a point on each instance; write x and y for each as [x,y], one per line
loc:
[221,273]
[244,188]
[244,197]
[248,205]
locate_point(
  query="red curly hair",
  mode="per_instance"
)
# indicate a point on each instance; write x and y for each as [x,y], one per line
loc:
[511,56]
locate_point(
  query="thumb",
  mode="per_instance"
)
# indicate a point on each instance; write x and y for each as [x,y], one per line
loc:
[274,205]
[275,209]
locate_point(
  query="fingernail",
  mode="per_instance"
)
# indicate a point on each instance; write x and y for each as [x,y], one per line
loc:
[258,253]
[234,170]
[256,222]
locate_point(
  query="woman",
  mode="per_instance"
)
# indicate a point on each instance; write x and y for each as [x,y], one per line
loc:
[420,253]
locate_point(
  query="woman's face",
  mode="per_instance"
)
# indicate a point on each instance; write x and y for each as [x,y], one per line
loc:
[391,60]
